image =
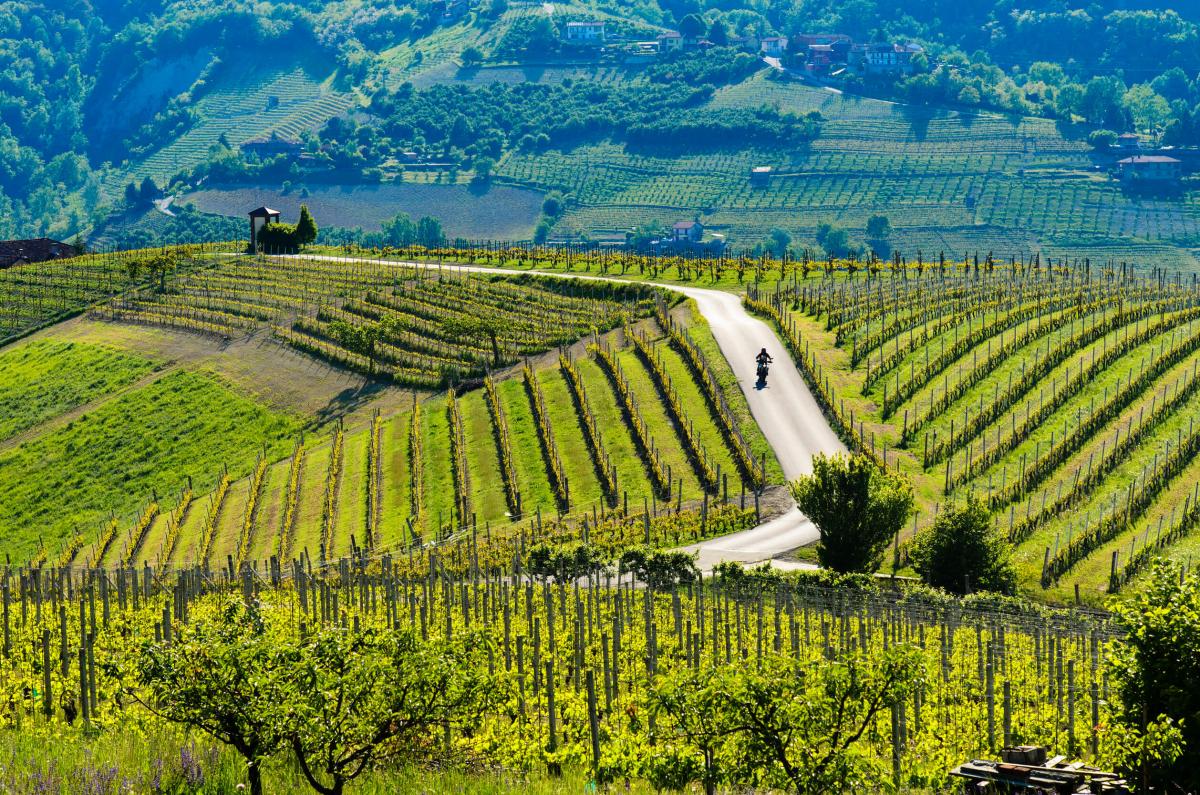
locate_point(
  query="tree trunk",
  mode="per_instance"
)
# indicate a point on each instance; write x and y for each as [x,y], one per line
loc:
[254,773]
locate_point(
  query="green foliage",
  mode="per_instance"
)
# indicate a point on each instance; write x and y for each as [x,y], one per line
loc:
[857,507]
[1156,668]
[341,701]
[878,227]
[964,552]
[660,570]
[278,238]
[306,227]
[564,564]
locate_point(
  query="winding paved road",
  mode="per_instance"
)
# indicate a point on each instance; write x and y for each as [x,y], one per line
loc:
[786,411]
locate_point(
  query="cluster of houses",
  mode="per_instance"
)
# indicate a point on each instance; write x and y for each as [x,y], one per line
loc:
[818,53]
[834,53]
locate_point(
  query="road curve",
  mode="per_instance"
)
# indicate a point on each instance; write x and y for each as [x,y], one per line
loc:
[790,418]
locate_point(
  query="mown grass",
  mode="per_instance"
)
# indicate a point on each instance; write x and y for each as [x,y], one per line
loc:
[396,488]
[438,479]
[487,486]
[532,479]
[111,460]
[42,379]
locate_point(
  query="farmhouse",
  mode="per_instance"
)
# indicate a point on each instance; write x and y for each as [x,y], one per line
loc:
[760,176]
[687,231]
[671,40]
[588,33]
[774,46]
[41,249]
[259,218]
[1129,142]
[884,59]
[1156,169]
[271,146]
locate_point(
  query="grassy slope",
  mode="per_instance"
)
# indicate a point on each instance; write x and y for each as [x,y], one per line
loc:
[43,379]
[109,461]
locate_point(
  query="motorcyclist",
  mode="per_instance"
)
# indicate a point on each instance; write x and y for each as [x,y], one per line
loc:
[763,358]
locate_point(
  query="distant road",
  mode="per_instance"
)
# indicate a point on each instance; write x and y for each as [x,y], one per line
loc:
[786,410]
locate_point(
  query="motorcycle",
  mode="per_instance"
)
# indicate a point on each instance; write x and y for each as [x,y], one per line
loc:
[762,375]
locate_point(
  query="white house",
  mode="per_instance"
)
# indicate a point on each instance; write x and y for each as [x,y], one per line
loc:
[774,46]
[585,32]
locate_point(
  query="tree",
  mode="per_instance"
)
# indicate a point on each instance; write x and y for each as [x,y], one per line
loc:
[780,240]
[1156,666]
[963,551]
[399,230]
[306,227]
[483,169]
[856,506]
[878,227]
[149,189]
[693,701]
[353,700]
[476,329]
[835,240]
[796,724]
[564,565]
[472,56]
[659,570]
[429,232]
[218,677]
[131,194]
[717,33]
[692,26]
[1102,140]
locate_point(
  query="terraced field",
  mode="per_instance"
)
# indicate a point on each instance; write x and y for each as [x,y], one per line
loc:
[240,110]
[200,471]
[1065,398]
[949,181]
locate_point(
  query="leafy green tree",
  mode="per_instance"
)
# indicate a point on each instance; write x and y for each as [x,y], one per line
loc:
[219,677]
[879,227]
[472,56]
[564,565]
[796,724]
[779,242]
[483,169]
[692,26]
[429,232]
[478,329]
[697,724]
[306,227]
[1102,140]
[660,570]
[399,230]
[718,34]
[857,507]
[963,552]
[361,339]
[835,240]
[1156,667]
[149,190]
[352,700]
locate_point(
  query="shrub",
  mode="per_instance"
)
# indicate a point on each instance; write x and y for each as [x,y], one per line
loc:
[856,506]
[962,551]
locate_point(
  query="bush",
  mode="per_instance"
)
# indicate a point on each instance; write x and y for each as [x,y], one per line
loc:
[278,238]
[857,507]
[964,552]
